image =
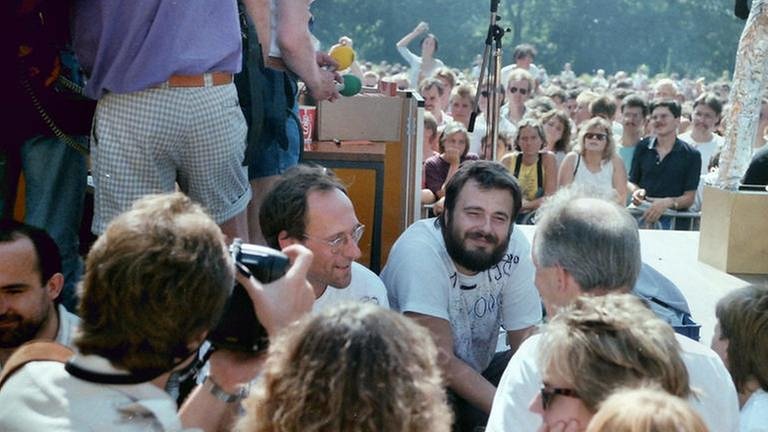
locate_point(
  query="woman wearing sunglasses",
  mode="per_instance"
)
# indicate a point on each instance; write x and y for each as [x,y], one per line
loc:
[520,85]
[594,162]
[596,346]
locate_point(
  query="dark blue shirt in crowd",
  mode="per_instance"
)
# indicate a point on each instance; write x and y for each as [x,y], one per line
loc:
[757,173]
[672,176]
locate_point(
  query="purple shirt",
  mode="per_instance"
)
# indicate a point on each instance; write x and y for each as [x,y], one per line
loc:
[130,45]
[436,170]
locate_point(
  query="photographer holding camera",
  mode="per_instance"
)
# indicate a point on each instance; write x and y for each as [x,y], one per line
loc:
[156,282]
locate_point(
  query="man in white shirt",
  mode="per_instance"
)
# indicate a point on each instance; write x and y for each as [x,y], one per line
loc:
[465,275]
[30,282]
[567,266]
[707,110]
[310,206]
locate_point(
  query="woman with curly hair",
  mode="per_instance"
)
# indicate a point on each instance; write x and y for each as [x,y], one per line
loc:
[356,367]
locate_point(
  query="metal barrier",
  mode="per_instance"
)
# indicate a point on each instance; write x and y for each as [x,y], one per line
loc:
[693,219]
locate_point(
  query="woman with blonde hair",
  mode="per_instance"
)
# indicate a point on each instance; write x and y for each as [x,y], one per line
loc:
[355,367]
[597,345]
[594,162]
[652,410]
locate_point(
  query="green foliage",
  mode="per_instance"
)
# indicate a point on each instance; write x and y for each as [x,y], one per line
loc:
[693,37]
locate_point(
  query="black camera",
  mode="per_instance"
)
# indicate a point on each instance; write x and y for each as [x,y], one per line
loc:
[239,328]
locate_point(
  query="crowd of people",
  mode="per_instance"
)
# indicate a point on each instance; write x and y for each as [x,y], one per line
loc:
[469,326]
[643,120]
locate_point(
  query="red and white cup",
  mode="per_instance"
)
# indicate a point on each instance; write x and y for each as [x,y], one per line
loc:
[308,118]
[387,87]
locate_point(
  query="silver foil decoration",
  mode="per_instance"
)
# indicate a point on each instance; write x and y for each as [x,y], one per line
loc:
[750,76]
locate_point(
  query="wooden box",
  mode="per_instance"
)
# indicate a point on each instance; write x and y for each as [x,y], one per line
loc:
[371,117]
[734,231]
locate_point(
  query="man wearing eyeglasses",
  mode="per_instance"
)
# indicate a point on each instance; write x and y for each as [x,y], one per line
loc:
[569,266]
[310,206]
[465,275]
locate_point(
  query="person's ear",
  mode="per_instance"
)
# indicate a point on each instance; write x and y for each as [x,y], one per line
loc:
[54,285]
[285,240]
[566,283]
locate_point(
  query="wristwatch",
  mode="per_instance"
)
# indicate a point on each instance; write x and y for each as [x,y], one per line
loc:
[674,203]
[220,394]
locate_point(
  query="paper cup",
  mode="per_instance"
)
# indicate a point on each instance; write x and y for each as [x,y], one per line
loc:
[308,117]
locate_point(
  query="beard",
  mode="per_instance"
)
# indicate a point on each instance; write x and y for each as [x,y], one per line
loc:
[476,260]
[24,330]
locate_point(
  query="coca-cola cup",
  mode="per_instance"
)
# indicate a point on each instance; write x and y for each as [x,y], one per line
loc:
[308,116]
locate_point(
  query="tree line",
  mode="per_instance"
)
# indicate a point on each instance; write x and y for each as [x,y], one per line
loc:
[687,37]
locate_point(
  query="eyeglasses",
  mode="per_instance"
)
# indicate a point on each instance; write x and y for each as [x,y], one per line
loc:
[341,240]
[549,393]
[597,136]
[514,90]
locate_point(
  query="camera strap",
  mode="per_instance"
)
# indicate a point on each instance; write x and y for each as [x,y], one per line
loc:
[109,378]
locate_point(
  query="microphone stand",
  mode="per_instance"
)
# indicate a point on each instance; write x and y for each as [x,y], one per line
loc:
[492,42]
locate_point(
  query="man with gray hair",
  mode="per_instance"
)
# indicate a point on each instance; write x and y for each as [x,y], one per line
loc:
[590,246]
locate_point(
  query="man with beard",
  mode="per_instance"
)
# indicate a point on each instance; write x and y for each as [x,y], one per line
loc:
[463,276]
[310,206]
[30,282]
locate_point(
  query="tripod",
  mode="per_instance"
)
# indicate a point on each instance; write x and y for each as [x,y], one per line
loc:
[491,86]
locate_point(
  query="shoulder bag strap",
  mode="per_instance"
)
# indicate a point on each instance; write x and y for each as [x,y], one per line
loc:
[34,351]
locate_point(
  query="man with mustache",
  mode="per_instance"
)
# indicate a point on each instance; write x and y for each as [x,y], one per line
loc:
[463,276]
[30,282]
[665,170]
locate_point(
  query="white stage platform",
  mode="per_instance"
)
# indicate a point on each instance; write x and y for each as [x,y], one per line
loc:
[675,255]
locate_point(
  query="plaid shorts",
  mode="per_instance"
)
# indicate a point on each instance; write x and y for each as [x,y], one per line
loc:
[147,141]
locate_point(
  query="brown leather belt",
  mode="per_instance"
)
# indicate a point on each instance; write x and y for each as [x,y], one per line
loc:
[276,63]
[204,80]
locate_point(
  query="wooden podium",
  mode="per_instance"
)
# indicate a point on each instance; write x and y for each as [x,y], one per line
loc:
[373,143]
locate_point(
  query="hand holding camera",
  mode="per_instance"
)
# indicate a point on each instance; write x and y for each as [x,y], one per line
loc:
[286,300]
[263,301]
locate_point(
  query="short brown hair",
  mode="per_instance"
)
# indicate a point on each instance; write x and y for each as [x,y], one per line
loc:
[354,367]
[154,281]
[454,128]
[743,317]
[285,207]
[598,344]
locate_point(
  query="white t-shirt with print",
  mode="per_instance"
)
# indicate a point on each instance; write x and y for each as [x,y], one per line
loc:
[421,277]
